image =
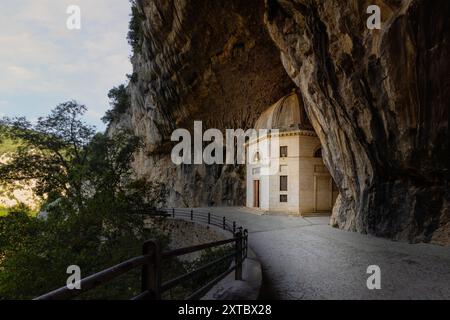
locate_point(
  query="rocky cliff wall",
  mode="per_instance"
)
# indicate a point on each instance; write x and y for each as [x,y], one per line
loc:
[204,60]
[378,99]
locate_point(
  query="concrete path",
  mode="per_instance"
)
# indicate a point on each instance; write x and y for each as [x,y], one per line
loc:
[305,258]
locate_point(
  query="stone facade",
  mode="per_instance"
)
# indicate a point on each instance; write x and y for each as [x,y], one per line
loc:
[308,186]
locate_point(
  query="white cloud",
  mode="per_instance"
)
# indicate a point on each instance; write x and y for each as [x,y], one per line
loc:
[40,57]
[19,72]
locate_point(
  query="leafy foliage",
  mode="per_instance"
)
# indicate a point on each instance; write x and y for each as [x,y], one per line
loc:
[93,208]
[20,207]
[91,195]
[35,253]
[53,151]
[208,256]
[7,146]
[133,78]
[135,33]
[3,211]
[119,101]
[188,287]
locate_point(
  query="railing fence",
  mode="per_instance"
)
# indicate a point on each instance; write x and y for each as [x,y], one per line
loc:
[152,257]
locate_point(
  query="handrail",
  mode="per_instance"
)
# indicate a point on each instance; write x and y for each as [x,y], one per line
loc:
[174,282]
[151,258]
[211,219]
[186,250]
[96,279]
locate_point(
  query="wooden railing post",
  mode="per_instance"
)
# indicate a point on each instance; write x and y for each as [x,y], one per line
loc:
[151,280]
[173,212]
[238,259]
[151,271]
[192,214]
[245,234]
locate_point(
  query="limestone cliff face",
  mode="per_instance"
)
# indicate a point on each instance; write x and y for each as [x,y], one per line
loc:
[203,60]
[378,99]
[20,194]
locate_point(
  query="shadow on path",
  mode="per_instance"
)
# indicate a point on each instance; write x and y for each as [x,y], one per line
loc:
[267,291]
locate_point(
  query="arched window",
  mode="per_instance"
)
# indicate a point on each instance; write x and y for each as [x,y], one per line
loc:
[318,153]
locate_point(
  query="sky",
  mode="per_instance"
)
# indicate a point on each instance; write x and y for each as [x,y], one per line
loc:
[43,63]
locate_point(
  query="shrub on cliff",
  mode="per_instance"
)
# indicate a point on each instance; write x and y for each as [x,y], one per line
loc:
[119,101]
[135,33]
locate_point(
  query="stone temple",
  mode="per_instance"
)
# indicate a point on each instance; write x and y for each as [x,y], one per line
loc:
[285,171]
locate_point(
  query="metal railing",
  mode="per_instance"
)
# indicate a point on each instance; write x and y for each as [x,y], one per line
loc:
[150,261]
[202,217]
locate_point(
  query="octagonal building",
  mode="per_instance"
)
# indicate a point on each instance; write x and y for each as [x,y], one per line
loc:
[285,171]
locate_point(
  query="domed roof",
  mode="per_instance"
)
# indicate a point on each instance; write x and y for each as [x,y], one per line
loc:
[286,114]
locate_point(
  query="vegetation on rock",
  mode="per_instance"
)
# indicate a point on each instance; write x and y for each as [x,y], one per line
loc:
[119,101]
[7,146]
[135,33]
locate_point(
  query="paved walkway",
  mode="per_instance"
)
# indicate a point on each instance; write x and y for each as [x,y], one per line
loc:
[304,258]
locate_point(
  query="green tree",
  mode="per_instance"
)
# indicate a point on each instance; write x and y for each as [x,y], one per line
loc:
[53,151]
[92,196]
[135,33]
[119,101]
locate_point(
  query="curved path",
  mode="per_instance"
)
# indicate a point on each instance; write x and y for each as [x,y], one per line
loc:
[304,258]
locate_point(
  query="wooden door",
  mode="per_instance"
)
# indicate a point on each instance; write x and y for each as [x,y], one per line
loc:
[256,193]
[323,193]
